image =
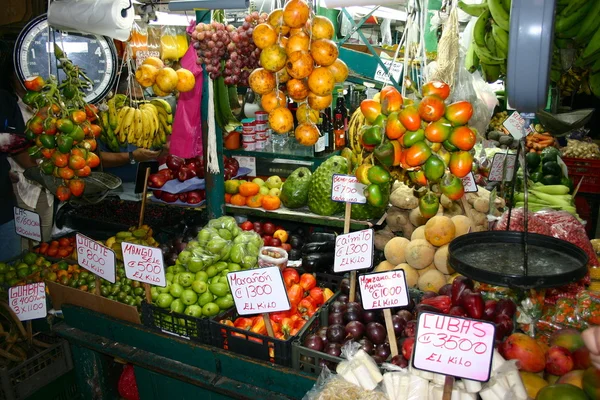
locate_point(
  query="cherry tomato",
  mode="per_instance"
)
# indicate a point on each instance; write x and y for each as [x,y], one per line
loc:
[391,100]
[459,113]
[436,88]
[36,125]
[431,108]
[78,116]
[96,130]
[66,173]
[461,163]
[409,117]
[93,160]
[463,138]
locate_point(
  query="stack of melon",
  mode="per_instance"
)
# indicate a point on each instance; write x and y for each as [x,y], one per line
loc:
[424,258]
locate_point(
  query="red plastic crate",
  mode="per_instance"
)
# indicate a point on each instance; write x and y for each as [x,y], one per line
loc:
[588,170]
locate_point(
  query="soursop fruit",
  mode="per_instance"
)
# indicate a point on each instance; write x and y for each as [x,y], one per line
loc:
[319,193]
[294,193]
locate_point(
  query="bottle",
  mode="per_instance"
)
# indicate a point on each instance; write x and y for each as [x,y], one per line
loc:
[322,141]
[339,132]
[328,128]
[340,107]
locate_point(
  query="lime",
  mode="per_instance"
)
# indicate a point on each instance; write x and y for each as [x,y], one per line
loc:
[126,289]
[64,280]
[10,275]
[104,291]
[23,272]
[3,268]
[138,291]
[121,296]
[30,258]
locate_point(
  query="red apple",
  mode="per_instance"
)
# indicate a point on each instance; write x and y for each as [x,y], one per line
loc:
[195,196]
[268,228]
[507,307]
[169,197]
[247,226]
[183,196]
[258,228]
[156,180]
[268,240]
[286,246]
[158,193]
[407,347]
[174,162]
[275,242]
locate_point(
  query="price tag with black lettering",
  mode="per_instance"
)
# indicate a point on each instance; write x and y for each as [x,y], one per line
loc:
[455,346]
[347,189]
[95,257]
[353,251]
[383,290]
[258,291]
[28,301]
[27,224]
[144,264]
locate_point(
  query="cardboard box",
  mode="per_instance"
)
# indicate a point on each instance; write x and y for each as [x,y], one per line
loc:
[61,294]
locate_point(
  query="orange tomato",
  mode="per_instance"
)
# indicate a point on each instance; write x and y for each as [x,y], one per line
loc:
[83,172]
[391,100]
[393,127]
[438,131]
[76,186]
[459,113]
[417,154]
[238,200]
[96,130]
[254,201]
[63,194]
[463,138]
[91,111]
[62,253]
[436,88]
[47,153]
[66,173]
[461,163]
[271,203]
[410,118]
[78,116]
[371,109]
[431,108]
[248,189]
[63,242]
[55,109]
[76,162]
[59,159]
[90,144]
[93,160]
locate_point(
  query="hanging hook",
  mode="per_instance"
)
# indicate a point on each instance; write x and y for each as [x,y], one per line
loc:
[124,10]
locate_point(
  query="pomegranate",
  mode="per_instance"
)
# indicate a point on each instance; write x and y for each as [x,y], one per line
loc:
[307,134]
[297,89]
[261,81]
[321,28]
[339,69]
[299,64]
[273,58]
[296,13]
[324,52]
[317,102]
[321,81]
[526,350]
[281,120]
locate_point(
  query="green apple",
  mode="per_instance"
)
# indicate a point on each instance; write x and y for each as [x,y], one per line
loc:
[189,297]
[199,287]
[263,190]
[193,311]
[274,182]
[258,181]
[210,309]
[201,276]
[176,290]
[275,192]
[177,306]
[164,300]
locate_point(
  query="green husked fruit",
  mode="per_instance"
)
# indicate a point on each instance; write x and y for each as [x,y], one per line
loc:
[294,192]
[319,193]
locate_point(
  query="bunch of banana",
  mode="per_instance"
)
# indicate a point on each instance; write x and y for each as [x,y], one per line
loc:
[489,47]
[223,114]
[357,120]
[108,120]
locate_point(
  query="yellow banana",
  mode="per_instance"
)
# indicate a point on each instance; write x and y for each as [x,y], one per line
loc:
[139,124]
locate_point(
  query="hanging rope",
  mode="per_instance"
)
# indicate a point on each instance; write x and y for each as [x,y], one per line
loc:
[447,55]
[212,161]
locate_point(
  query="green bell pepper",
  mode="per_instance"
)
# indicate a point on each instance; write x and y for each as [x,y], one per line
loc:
[65,143]
[48,141]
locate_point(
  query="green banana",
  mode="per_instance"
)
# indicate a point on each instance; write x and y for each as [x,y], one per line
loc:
[120,100]
[491,73]
[565,21]
[571,7]
[485,57]
[490,43]
[590,24]
[594,83]
[595,67]
[164,104]
[507,4]
[499,14]
[479,28]
[471,59]
[501,38]
[473,9]
[591,49]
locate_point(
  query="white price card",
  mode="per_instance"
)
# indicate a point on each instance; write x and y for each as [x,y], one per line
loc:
[28,301]
[455,346]
[469,183]
[258,291]
[347,189]
[395,71]
[95,257]
[515,124]
[353,251]
[144,264]
[497,168]
[247,162]
[383,290]
[27,224]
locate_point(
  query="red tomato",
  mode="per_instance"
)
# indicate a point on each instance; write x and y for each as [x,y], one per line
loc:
[66,173]
[76,162]
[463,138]
[431,108]
[76,186]
[83,172]
[34,84]
[459,113]
[461,163]
[63,242]
[436,88]
[60,160]
[93,160]
[409,117]
[63,193]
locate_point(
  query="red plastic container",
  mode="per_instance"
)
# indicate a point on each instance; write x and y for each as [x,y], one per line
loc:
[588,170]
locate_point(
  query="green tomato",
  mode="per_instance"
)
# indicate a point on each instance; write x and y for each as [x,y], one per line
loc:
[177,306]
[164,300]
[201,276]
[171,270]
[216,244]
[210,309]
[219,289]
[225,234]
[178,269]
[205,298]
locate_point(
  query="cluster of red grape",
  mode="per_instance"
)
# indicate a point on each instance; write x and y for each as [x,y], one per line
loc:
[216,42]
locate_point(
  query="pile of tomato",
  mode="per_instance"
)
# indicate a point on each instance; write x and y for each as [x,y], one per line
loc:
[61,248]
[65,139]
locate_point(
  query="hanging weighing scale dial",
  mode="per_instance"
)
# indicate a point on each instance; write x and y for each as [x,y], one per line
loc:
[95,55]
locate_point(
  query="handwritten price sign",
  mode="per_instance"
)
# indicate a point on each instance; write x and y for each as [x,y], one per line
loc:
[144,264]
[354,251]
[347,189]
[454,346]
[515,124]
[383,290]
[95,257]
[469,183]
[27,224]
[28,301]
[258,291]
[497,168]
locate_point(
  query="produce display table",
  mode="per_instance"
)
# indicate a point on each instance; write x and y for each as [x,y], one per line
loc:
[165,366]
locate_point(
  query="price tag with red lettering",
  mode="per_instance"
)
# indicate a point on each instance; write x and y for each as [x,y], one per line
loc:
[258,291]
[27,224]
[455,346]
[28,301]
[469,183]
[515,124]
[347,189]
[383,290]
[353,251]
[498,165]
[95,257]
[144,264]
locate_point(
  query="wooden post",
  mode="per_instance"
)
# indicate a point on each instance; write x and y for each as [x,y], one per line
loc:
[389,325]
[144,195]
[448,384]
[347,214]
[98,284]
[148,292]
[29,332]
[268,325]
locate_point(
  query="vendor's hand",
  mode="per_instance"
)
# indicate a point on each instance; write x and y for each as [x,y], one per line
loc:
[140,155]
[591,338]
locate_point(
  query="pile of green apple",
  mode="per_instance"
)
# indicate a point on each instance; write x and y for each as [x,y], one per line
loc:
[271,186]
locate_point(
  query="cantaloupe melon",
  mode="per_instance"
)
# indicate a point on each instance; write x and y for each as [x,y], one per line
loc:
[440,259]
[431,281]
[426,269]
[462,223]
[384,266]
[439,230]
[419,253]
[394,250]
[411,274]
[418,233]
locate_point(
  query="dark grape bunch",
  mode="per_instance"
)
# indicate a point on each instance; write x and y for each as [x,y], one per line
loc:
[216,42]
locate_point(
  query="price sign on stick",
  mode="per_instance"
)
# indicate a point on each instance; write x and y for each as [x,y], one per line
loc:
[498,165]
[515,124]
[27,224]
[450,345]
[354,251]
[144,264]
[95,257]
[258,291]
[469,183]
[28,301]
[383,290]
[347,189]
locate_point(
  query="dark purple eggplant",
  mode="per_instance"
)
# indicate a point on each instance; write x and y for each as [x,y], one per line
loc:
[336,333]
[399,324]
[314,342]
[355,329]
[376,332]
[333,349]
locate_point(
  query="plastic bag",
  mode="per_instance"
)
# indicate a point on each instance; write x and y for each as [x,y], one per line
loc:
[173,43]
[186,138]
[138,40]
[330,386]
[127,384]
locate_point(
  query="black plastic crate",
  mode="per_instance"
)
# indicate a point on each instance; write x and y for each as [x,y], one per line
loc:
[332,281]
[181,325]
[36,372]
[246,343]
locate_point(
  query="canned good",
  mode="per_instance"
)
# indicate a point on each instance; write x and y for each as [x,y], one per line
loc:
[248,138]
[261,144]
[261,126]
[261,116]
[249,146]
[248,126]
[260,135]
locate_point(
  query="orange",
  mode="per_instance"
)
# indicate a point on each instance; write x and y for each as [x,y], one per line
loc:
[254,201]
[228,198]
[247,189]
[271,202]
[238,200]
[167,79]
[186,80]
